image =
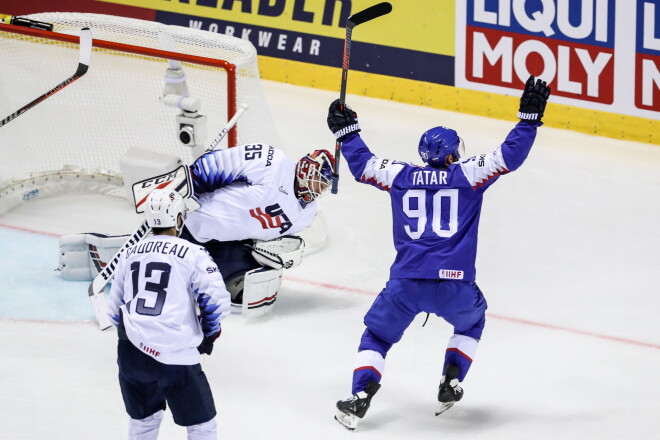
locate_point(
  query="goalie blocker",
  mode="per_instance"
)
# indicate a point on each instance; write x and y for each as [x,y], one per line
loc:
[83,256]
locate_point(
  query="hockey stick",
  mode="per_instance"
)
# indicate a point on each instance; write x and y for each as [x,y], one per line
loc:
[96,287]
[363,16]
[83,65]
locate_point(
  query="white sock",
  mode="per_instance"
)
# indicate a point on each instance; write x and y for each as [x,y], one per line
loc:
[145,429]
[203,431]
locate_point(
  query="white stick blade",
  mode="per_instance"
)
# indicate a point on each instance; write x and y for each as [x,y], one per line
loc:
[85,46]
[100,307]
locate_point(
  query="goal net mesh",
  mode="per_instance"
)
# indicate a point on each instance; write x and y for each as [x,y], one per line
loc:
[87,127]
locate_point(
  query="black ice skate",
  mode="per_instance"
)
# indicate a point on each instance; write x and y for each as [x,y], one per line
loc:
[450,392]
[351,410]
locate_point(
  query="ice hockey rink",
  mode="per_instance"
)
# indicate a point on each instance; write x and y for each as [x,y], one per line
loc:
[568,261]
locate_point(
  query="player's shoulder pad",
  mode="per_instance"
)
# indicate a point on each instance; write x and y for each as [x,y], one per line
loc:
[380,163]
[211,266]
[383,164]
[203,250]
[478,160]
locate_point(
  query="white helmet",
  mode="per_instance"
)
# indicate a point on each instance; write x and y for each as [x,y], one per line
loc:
[163,208]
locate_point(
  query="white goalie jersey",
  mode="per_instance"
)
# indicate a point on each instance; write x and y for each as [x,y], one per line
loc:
[246,192]
[159,285]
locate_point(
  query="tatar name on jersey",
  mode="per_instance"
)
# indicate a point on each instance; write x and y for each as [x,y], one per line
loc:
[429,177]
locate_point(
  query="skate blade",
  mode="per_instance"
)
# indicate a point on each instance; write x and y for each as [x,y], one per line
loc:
[443,406]
[348,421]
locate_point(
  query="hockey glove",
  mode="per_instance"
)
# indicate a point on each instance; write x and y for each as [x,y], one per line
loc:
[206,347]
[342,122]
[533,100]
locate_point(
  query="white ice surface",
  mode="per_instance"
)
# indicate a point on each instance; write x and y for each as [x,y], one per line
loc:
[568,261]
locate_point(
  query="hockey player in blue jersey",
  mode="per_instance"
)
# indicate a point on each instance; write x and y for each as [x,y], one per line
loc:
[435,211]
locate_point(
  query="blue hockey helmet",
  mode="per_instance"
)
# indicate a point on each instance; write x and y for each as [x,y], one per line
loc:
[438,143]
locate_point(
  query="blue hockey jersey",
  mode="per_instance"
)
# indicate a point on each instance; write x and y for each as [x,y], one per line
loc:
[436,212]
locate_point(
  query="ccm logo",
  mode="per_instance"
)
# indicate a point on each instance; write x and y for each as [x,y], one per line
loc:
[158,180]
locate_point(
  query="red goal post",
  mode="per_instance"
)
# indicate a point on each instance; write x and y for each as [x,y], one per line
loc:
[129,99]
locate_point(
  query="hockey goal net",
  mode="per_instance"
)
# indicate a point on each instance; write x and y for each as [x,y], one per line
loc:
[132,97]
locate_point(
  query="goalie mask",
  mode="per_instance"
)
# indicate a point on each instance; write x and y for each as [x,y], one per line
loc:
[438,143]
[162,209]
[314,175]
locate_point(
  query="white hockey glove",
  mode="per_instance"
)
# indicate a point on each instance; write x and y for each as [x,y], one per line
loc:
[279,253]
[83,256]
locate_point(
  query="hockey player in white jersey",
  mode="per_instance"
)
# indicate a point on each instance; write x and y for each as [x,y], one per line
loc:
[255,192]
[435,211]
[253,201]
[167,300]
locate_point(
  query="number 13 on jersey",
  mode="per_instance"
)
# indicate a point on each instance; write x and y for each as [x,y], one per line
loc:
[150,292]
[443,214]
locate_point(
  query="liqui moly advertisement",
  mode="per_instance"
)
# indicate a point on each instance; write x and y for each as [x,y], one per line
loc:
[647,55]
[598,54]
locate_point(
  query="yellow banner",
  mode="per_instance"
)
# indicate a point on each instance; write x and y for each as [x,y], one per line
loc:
[419,25]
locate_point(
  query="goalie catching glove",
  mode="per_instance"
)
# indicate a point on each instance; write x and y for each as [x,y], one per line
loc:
[279,253]
[533,100]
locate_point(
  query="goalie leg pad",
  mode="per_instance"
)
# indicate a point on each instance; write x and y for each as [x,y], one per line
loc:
[83,256]
[260,291]
[74,258]
[254,294]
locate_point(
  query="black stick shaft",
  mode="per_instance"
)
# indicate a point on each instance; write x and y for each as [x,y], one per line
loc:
[52,91]
[363,16]
[83,66]
[342,100]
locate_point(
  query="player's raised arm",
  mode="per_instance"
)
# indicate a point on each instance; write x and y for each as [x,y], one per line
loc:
[365,166]
[482,170]
[518,143]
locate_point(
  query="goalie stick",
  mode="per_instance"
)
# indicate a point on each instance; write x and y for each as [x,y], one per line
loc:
[174,179]
[83,66]
[363,16]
